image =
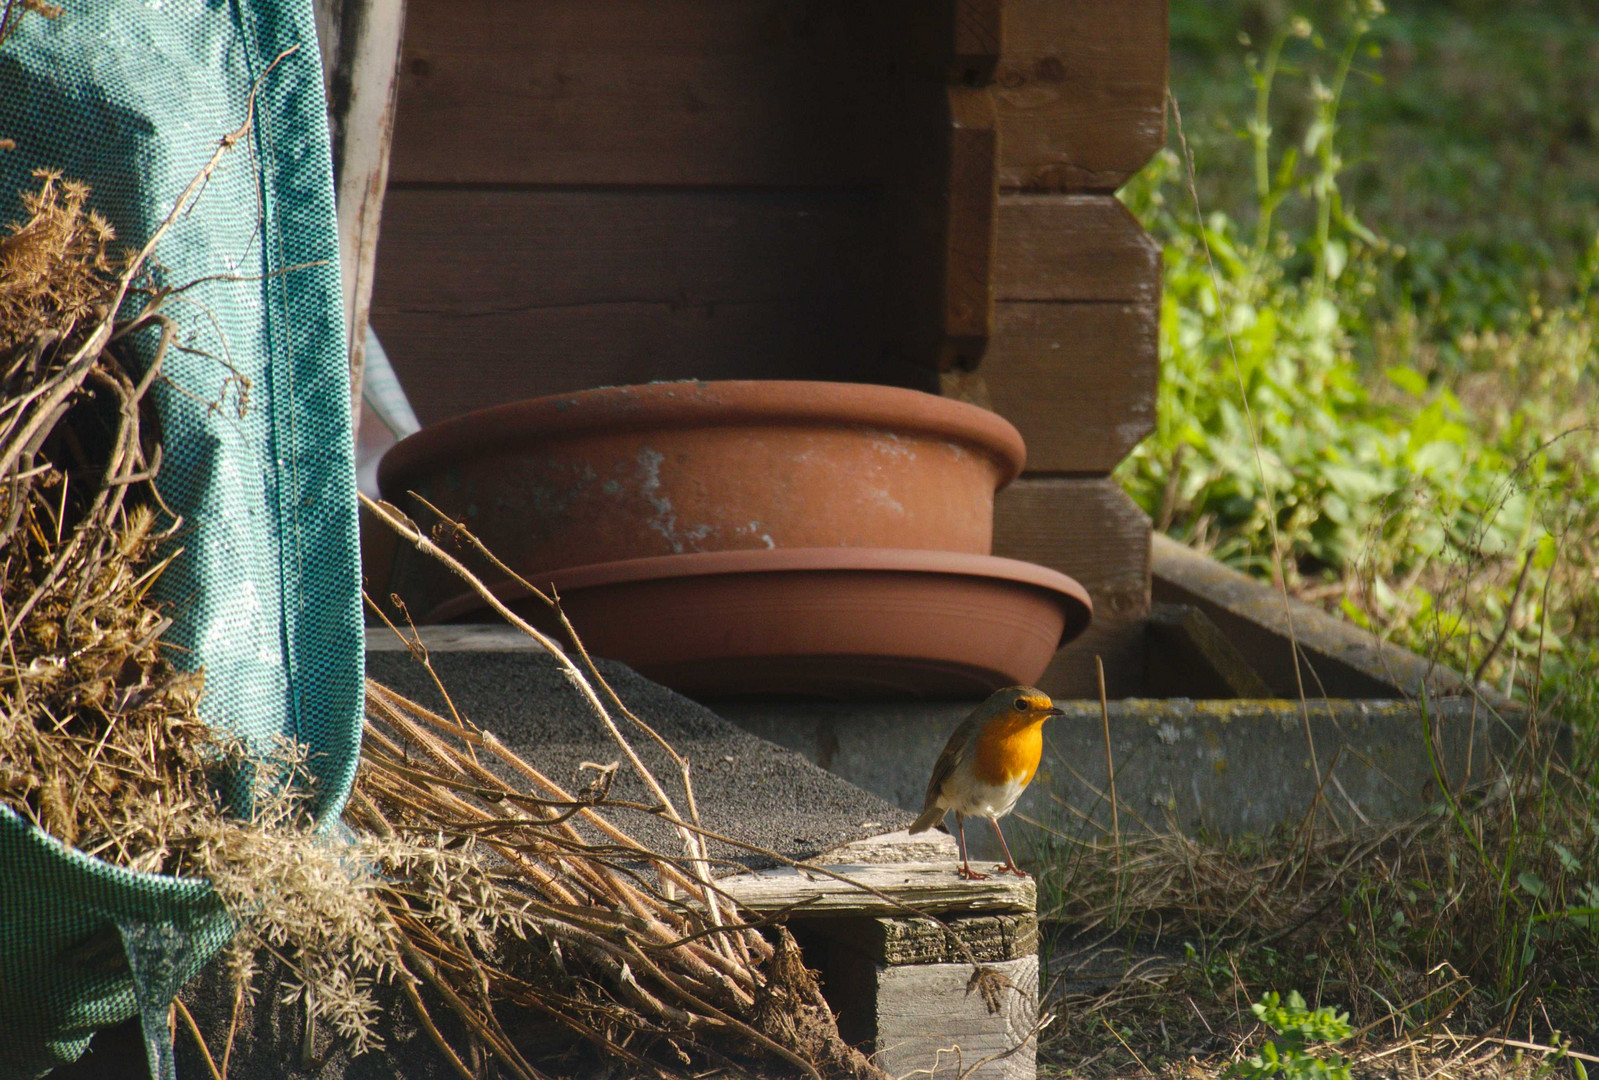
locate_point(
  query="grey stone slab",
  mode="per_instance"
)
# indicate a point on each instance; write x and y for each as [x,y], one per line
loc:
[744,786]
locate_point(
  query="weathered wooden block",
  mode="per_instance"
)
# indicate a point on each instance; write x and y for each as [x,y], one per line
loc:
[888,941]
[931,1021]
[928,887]
[1078,380]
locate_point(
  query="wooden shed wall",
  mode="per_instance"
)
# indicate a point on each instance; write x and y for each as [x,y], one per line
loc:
[591,192]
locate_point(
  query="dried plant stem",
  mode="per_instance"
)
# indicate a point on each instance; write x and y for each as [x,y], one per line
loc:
[409,531]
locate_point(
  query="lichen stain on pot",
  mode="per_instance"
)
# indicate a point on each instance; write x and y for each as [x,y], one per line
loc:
[665,520]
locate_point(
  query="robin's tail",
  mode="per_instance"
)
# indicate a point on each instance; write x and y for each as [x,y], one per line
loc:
[930,817]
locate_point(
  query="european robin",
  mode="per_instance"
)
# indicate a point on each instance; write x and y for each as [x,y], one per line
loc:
[987,764]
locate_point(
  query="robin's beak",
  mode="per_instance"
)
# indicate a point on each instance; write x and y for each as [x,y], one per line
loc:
[1054,710]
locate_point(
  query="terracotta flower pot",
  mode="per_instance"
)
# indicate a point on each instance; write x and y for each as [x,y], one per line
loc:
[689,467]
[818,622]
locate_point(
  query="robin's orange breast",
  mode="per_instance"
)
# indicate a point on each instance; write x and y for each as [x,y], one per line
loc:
[1008,752]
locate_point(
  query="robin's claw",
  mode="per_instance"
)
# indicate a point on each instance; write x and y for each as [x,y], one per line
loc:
[969,874]
[1018,871]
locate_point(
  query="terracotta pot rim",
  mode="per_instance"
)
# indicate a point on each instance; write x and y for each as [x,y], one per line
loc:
[1080,607]
[736,402]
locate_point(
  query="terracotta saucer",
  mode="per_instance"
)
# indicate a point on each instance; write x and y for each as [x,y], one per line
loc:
[817,622]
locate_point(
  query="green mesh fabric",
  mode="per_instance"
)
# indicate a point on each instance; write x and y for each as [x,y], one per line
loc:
[133,97]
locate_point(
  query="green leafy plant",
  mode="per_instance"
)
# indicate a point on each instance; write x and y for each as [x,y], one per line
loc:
[1430,467]
[1298,1027]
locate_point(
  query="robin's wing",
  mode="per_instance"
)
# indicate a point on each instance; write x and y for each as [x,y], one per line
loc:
[955,751]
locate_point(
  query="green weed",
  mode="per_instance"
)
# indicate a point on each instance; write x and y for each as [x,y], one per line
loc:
[1299,1027]
[1428,461]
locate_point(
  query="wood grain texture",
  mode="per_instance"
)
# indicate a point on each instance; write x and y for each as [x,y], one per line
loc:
[892,941]
[1088,529]
[641,92]
[926,1020]
[1073,247]
[518,293]
[931,887]
[939,216]
[1079,381]
[1081,89]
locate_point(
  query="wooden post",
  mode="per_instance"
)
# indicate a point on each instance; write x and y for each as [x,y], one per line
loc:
[360,41]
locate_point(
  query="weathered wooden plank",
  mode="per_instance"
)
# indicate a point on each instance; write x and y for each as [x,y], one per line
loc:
[1336,658]
[1079,381]
[931,887]
[360,43]
[1089,529]
[894,847]
[929,1025]
[1073,247]
[1190,657]
[891,941]
[978,39]
[1081,89]
[517,293]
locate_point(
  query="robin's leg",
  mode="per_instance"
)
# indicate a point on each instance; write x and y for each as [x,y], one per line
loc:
[966,870]
[1010,863]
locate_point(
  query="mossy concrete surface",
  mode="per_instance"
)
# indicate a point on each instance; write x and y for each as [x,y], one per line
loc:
[1226,768]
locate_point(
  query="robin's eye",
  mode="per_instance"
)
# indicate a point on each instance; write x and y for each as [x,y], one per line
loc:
[1021,704]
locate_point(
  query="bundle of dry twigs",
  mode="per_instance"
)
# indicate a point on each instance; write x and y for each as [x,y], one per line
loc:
[628,948]
[96,726]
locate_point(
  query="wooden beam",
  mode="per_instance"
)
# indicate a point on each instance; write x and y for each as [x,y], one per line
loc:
[1190,657]
[1079,381]
[931,1022]
[1087,528]
[1073,247]
[1090,530]
[912,940]
[641,92]
[1081,90]
[1073,360]
[360,42]
[941,220]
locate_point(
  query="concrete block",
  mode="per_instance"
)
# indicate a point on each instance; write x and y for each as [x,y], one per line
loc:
[1229,768]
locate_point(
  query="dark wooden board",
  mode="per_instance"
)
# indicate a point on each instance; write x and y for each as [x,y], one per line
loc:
[1090,530]
[766,92]
[1077,380]
[487,295]
[1081,89]
[640,92]
[1073,247]
[940,216]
